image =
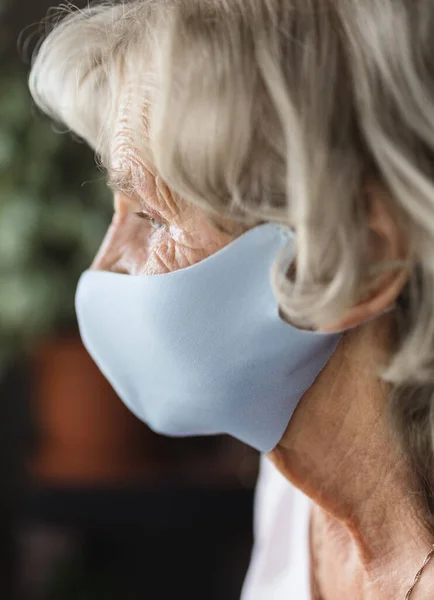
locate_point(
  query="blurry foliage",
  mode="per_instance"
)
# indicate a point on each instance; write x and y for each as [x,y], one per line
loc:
[3,29]
[54,210]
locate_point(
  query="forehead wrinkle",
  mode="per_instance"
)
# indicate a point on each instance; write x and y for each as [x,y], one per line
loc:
[129,130]
[129,160]
[128,172]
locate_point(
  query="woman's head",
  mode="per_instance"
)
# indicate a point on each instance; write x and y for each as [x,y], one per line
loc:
[312,113]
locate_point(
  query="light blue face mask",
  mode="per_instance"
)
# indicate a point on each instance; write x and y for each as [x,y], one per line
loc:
[202,350]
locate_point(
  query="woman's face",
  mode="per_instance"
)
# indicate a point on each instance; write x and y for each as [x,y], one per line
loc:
[151,233]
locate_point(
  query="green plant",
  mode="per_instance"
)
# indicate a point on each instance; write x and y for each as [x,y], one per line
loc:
[54,210]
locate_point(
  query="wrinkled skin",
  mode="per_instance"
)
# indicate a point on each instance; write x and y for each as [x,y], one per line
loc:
[151,233]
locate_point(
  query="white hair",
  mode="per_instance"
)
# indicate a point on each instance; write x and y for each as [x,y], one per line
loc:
[279,110]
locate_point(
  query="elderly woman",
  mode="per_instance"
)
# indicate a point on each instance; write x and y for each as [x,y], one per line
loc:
[290,141]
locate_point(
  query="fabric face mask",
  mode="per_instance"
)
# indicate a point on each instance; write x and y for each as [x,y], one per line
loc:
[202,350]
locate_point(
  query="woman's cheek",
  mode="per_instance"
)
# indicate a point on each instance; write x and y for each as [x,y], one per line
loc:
[167,255]
[199,238]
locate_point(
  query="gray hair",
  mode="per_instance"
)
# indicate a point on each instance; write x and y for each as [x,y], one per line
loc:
[279,110]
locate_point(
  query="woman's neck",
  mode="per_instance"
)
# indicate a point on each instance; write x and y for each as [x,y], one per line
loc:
[339,449]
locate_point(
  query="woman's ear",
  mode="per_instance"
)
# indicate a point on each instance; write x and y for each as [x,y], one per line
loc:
[387,245]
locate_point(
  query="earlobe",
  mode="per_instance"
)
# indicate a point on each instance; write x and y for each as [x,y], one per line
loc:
[380,303]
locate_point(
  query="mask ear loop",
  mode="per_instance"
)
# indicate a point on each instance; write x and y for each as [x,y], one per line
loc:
[391,265]
[386,311]
[290,271]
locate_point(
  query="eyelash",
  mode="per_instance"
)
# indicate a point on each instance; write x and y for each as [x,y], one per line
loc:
[155,223]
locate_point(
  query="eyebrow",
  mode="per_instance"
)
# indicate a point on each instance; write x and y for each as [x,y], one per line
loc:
[120,181]
[123,181]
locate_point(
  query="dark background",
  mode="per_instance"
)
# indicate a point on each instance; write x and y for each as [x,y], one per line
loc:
[92,504]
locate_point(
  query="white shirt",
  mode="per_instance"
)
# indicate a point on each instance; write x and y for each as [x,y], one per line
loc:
[279,569]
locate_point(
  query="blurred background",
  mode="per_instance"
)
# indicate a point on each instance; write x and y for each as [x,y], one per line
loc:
[92,504]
